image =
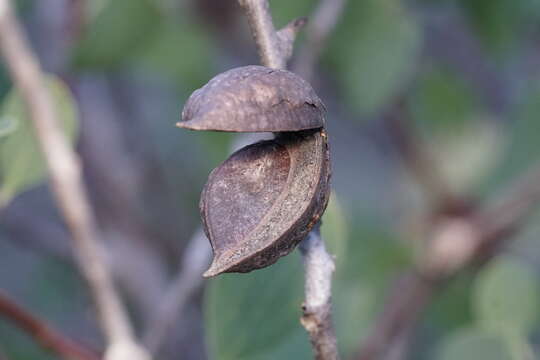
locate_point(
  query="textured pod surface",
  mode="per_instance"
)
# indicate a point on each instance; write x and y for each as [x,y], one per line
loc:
[263,200]
[254,99]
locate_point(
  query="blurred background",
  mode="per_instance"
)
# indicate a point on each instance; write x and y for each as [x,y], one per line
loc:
[462,75]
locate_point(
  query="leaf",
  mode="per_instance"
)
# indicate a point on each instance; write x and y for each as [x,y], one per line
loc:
[474,344]
[502,24]
[8,124]
[377,48]
[119,29]
[465,159]
[181,50]
[443,103]
[21,163]
[506,297]
[334,229]
[251,315]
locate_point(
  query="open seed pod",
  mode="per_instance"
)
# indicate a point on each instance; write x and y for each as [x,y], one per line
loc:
[263,200]
[254,99]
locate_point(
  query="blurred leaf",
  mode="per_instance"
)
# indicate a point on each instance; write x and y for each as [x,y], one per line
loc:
[506,297]
[502,23]
[8,124]
[524,147]
[21,163]
[375,50]
[465,143]
[250,315]
[118,30]
[334,229]
[451,308]
[443,103]
[474,344]
[181,50]
[467,158]
[371,262]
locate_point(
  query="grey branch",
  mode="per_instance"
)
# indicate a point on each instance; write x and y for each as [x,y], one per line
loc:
[65,173]
[274,50]
[317,308]
[195,260]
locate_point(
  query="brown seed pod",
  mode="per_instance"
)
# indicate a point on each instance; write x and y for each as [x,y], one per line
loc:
[263,200]
[254,99]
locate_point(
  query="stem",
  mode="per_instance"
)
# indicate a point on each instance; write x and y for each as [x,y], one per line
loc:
[66,178]
[317,308]
[42,333]
[264,33]
[274,51]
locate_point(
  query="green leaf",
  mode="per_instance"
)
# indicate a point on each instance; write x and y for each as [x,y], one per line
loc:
[181,50]
[502,24]
[474,344]
[506,297]
[443,102]
[21,163]
[8,124]
[377,45]
[334,229]
[116,33]
[465,143]
[252,315]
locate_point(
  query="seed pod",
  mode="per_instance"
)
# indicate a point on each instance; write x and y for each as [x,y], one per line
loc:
[254,99]
[262,201]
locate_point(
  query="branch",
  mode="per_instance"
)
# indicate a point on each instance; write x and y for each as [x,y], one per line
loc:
[65,174]
[456,243]
[319,28]
[194,261]
[42,333]
[317,308]
[319,265]
[274,48]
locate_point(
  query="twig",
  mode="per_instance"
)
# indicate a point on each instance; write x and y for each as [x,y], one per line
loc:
[274,48]
[43,333]
[319,265]
[65,173]
[194,261]
[323,21]
[317,308]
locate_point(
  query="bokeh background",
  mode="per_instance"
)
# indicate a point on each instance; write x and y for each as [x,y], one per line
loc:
[466,74]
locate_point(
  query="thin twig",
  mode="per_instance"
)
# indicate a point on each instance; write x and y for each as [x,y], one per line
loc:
[274,47]
[319,265]
[264,33]
[43,333]
[322,23]
[317,308]
[66,178]
[195,259]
